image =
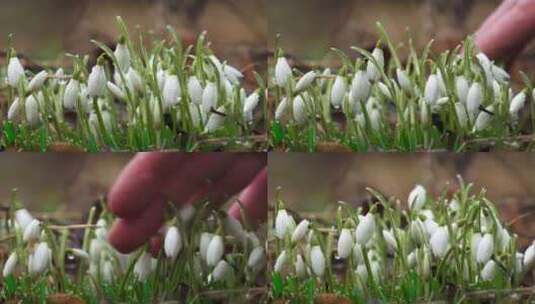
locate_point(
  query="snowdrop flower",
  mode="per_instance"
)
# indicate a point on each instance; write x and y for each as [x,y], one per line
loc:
[10,264]
[483,119]
[281,261]
[299,110]
[161,77]
[403,80]
[365,229]
[284,224]
[281,108]
[40,259]
[172,243]
[357,254]
[462,115]
[488,272]
[32,110]
[206,237]
[14,110]
[82,254]
[411,258]
[283,72]
[300,267]
[474,99]
[95,125]
[300,231]
[215,251]
[425,265]
[122,54]
[417,231]
[115,91]
[23,218]
[143,267]
[234,228]
[325,74]
[32,231]
[72,91]
[251,102]
[503,238]
[499,74]
[390,240]
[485,249]
[215,120]
[362,272]
[15,72]
[256,258]
[417,197]
[519,257]
[440,242]
[171,91]
[195,90]
[529,257]
[517,104]
[305,81]
[37,81]
[375,119]
[221,270]
[345,243]
[475,239]
[96,246]
[107,272]
[317,260]
[371,69]
[431,89]
[430,226]
[461,88]
[338,91]
[96,82]
[360,87]
[209,97]
[134,81]
[384,90]
[232,74]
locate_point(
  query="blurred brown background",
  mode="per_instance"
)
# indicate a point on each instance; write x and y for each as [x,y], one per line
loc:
[313,183]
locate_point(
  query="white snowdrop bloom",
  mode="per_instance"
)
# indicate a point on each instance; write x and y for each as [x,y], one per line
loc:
[485,249]
[431,92]
[417,231]
[384,90]
[172,243]
[375,119]
[462,115]
[483,119]
[305,81]
[403,80]
[281,108]
[40,259]
[116,91]
[101,232]
[32,231]
[371,69]
[300,267]
[390,240]
[411,259]
[96,82]
[325,75]
[417,197]
[215,251]
[376,269]
[253,239]
[107,272]
[365,229]
[37,81]
[143,267]
[15,72]
[281,261]
[206,237]
[229,89]
[196,114]
[357,254]
[461,88]
[430,227]
[454,205]
[96,246]
[14,110]
[529,257]
[517,104]
[360,87]
[488,272]
[299,110]
[72,92]
[317,261]
[23,218]
[217,63]
[234,228]
[122,54]
[284,224]
[215,120]
[499,74]
[338,91]
[79,253]
[59,76]
[32,110]
[171,91]
[440,242]
[94,123]
[475,239]
[361,120]
[425,265]
[300,231]
[283,72]
[209,97]
[487,67]
[519,267]
[161,77]
[221,270]
[504,238]
[251,102]
[362,272]
[256,258]
[10,264]
[474,99]
[134,80]
[345,243]
[195,90]
[232,74]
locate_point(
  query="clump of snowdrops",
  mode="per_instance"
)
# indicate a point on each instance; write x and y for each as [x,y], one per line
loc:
[436,249]
[134,98]
[206,256]
[459,100]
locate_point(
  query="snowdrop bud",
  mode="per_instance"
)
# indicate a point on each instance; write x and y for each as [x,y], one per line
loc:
[284,224]
[95,249]
[403,80]
[134,81]
[10,264]
[116,91]
[503,238]
[425,267]
[390,240]
[375,119]
[96,82]
[300,231]
[171,91]
[234,228]
[15,72]
[221,270]
[215,120]
[357,254]
[107,272]
[431,89]
[14,110]
[32,231]
[32,111]
[317,260]
[338,91]
[256,258]
[517,103]
[195,90]
[440,242]
[172,242]
[215,251]
[299,110]
[281,108]
[345,243]
[283,72]
[82,254]
[360,87]
[529,257]
[23,218]
[305,81]
[281,261]
[300,267]
[430,227]
[462,115]
[37,81]
[362,272]
[475,239]
[143,266]
[485,249]
[251,102]
[371,69]
[474,99]
[411,259]
[206,237]
[461,88]
[232,74]
[499,73]
[209,97]
[483,119]
[72,91]
[365,229]
[417,231]
[488,272]
[40,259]
[417,197]
[384,90]
[122,54]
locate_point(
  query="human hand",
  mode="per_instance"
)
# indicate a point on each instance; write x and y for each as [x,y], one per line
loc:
[150,180]
[505,33]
